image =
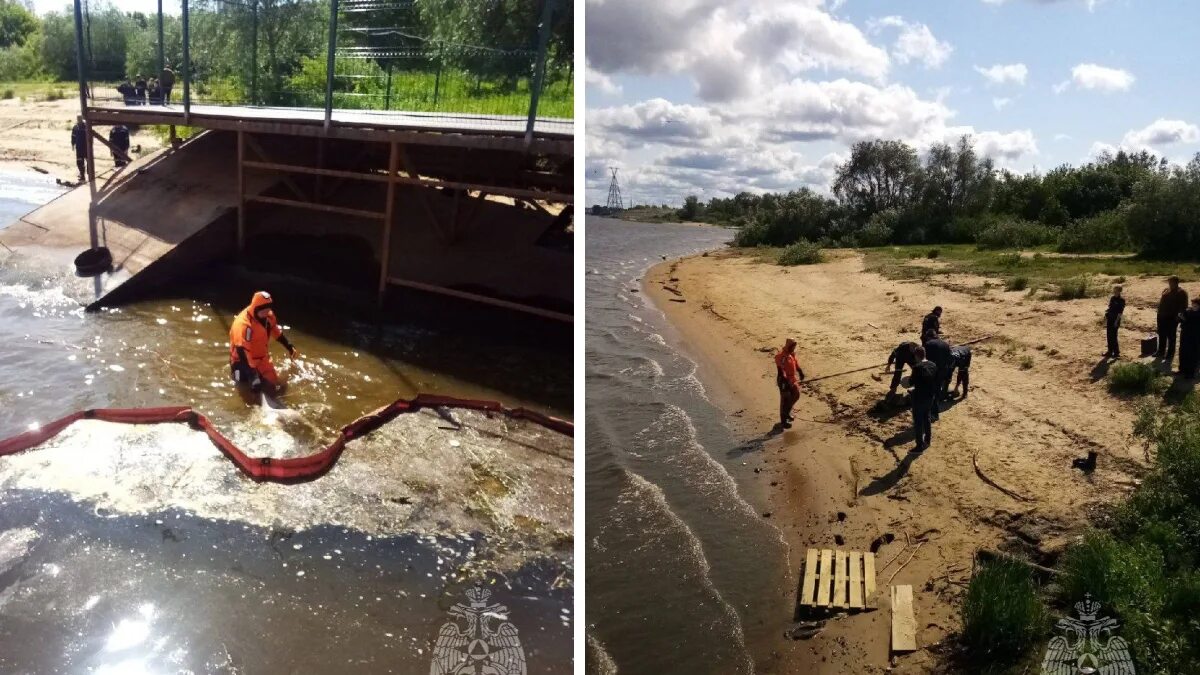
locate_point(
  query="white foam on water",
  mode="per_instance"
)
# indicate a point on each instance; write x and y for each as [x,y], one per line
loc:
[602,660]
[643,493]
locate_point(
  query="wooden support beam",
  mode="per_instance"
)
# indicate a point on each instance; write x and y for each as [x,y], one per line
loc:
[529,309]
[286,181]
[293,168]
[422,197]
[386,252]
[241,177]
[373,215]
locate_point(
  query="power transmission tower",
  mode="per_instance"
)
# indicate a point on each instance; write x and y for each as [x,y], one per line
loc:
[614,193]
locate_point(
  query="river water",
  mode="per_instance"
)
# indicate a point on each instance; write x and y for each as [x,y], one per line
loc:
[681,569]
[235,580]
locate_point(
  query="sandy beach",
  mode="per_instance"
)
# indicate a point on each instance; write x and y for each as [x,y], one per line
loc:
[843,476]
[36,135]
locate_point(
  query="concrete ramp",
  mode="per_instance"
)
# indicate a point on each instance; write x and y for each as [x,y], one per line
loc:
[163,215]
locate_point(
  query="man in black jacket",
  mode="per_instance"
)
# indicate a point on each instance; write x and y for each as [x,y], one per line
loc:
[1172,303]
[924,399]
[79,143]
[903,355]
[938,351]
[1112,322]
[961,363]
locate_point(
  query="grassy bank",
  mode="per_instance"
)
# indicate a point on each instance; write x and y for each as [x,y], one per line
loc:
[38,90]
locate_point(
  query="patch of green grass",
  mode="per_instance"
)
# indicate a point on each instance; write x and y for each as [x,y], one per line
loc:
[1135,377]
[800,253]
[1072,289]
[34,90]
[933,254]
[1003,614]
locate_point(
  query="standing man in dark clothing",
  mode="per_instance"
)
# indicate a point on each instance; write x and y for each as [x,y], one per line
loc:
[139,88]
[924,403]
[1172,303]
[1189,340]
[932,322]
[119,137]
[1112,322]
[937,350]
[128,92]
[79,142]
[166,80]
[788,376]
[903,355]
[961,360]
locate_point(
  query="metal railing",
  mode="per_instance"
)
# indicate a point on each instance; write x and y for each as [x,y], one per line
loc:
[503,64]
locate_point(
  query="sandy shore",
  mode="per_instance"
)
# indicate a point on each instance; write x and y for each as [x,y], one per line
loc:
[844,470]
[36,135]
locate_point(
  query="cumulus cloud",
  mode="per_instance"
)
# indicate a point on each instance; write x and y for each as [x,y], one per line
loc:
[914,43]
[1097,78]
[727,49]
[1160,133]
[1013,73]
[1009,146]
[601,81]
[1091,4]
[1001,103]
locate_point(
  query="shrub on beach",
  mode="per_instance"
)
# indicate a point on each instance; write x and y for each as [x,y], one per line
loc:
[1133,378]
[800,253]
[1104,232]
[1016,283]
[1073,289]
[1002,613]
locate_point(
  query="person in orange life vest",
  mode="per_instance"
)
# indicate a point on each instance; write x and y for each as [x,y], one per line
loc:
[249,342]
[788,376]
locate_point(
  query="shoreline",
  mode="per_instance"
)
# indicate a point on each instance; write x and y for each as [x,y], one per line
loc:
[842,476]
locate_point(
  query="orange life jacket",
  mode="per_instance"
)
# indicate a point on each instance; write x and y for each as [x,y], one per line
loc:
[787,365]
[249,333]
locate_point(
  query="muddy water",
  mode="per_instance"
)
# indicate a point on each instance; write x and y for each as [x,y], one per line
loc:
[97,582]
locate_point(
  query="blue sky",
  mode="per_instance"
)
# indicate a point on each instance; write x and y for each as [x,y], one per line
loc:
[709,97]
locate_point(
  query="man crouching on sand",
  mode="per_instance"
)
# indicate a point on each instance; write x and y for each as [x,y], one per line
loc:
[788,376]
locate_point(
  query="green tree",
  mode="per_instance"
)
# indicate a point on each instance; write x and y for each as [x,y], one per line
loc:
[16,24]
[879,175]
[691,208]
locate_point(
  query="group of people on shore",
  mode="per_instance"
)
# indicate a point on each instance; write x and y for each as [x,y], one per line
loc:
[118,140]
[138,90]
[934,362]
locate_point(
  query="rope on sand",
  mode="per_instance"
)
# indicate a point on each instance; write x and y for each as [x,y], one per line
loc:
[979,472]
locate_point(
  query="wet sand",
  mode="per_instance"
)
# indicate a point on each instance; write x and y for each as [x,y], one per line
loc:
[845,468]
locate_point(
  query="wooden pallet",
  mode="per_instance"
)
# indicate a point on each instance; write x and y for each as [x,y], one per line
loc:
[838,579]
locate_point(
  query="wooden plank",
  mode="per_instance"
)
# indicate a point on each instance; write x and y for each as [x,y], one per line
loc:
[286,180]
[808,593]
[856,579]
[241,174]
[841,575]
[318,207]
[869,579]
[826,578]
[904,624]
[529,309]
[386,250]
[294,168]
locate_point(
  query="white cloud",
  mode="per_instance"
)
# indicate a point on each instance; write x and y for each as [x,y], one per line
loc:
[1091,4]
[1001,103]
[601,81]
[1013,73]
[1009,146]
[728,50]
[915,42]
[1099,78]
[1160,133]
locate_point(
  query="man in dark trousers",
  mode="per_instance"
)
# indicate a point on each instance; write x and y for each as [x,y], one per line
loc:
[79,142]
[1172,303]
[1189,340]
[924,403]
[961,363]
[166,80]
[937,350]
[788,376]
[119,137]
[903,355]
[139,87]
[932,322]
[1112,322]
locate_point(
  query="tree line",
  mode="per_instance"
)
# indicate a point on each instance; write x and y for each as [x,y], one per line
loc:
[492,42]
[887,193]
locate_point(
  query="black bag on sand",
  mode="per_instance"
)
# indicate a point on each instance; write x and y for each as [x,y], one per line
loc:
[1150,344]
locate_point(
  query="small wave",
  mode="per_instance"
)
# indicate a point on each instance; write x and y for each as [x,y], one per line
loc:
[599,661]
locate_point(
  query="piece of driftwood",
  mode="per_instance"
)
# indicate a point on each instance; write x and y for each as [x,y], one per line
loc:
[984,477]
[904,623]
